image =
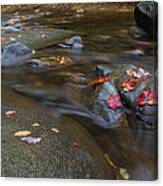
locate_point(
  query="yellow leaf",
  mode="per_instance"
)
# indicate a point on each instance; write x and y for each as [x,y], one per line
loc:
[33,52]
[123,172]
[35,125]
[55,130]
[22,133]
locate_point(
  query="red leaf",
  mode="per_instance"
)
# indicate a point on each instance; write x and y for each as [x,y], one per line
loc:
[147,97]
[76,144]
[129,84]
[102,80]
[114,101]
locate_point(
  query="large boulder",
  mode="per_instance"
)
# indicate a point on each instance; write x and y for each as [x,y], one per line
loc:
[146,16]
[67,151]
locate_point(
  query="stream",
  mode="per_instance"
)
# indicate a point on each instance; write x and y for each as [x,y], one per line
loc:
[106,40]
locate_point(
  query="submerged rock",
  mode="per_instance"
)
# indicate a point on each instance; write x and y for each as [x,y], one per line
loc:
[55,156]
[48,63]
[38,38]
[14,54]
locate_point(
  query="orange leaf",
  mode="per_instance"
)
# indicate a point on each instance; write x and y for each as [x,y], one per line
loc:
[22,133]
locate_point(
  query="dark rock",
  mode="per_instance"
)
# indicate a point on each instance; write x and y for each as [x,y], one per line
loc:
[74,42]
[14,54]
[138,33]
[146,16]
[146,83]
[113,114]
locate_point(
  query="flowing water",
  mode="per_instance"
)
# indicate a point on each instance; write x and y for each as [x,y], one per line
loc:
[106,41]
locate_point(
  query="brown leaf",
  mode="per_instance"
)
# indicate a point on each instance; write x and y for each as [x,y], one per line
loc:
[76,144]
[22,133]
[55,130]
[35,125]
[10,113]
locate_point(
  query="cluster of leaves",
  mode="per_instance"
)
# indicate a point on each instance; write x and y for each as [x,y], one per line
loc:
[147,98]
[130,84]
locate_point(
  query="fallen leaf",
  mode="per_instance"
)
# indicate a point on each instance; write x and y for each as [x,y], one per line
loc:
[129,72]
[114,101]
[11,21]
[22,133]
[10,113]
[55,130]
[35,125]
[129,84]
[33,52]
[31,140]
[76,144]
[12,39]
[101,80]
[123,172]
[147,97]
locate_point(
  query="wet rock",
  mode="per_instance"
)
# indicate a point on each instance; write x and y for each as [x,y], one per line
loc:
[55,156]
[14,54]
[107,102]
[146,16]
[132,82]
[138,33]
[74,42]
[75,77]
[34,39]
[48,63]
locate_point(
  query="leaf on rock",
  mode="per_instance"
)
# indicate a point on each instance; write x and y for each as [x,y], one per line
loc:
[101,80]
[76,144]
[114,101]
[10,113]
[55,130]
[137,73]
[129,84]
[147,97]
[22,133]
[31,140]
[35,125]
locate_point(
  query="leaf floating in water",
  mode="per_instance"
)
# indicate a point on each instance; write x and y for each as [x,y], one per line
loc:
[123,172]
[33,52]
[55,130]
[31,140]
[10,113]
[35,125]
[109,161]
[22,133]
